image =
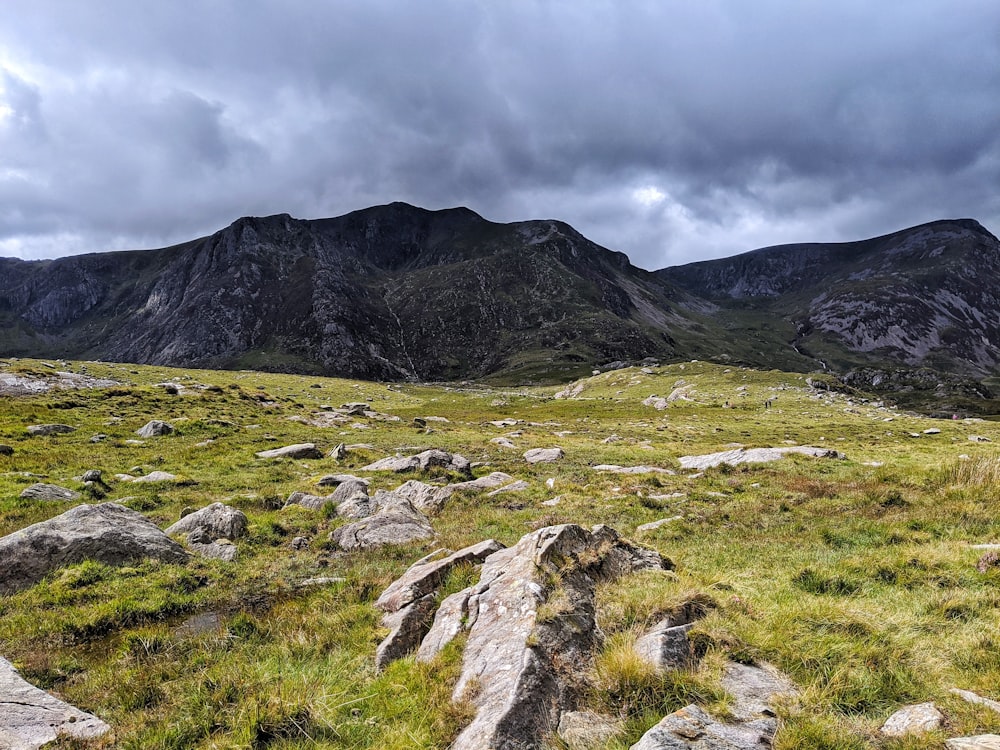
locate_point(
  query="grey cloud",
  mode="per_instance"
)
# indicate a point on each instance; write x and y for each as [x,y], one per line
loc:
[758,122]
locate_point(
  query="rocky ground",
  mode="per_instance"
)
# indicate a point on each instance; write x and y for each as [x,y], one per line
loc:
[686,556]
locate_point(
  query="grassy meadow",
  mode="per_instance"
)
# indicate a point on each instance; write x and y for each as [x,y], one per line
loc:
[856,577]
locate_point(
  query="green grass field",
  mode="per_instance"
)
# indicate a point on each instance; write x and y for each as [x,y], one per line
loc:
[856,577]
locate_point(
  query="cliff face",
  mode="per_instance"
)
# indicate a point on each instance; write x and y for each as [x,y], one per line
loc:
[392,292]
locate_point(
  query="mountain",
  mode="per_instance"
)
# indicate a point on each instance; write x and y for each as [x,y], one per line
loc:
[921,297]
[391,292]
[397,292]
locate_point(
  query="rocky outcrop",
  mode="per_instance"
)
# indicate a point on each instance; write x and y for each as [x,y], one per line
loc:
[409,602]
[215,521]
[429,459]
[49,492]
[108,533]
[531,628]
[299,450]
[755,690]
[738,456]
[31,718]
[394,521]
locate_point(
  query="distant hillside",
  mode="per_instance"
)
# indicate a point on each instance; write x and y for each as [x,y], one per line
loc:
[400,293]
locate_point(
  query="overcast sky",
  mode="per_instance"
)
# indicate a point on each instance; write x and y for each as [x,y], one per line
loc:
[671,130]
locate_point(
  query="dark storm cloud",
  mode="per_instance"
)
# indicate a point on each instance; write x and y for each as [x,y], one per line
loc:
[668,130]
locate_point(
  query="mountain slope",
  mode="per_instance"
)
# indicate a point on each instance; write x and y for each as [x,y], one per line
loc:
[391,292]
[921,297]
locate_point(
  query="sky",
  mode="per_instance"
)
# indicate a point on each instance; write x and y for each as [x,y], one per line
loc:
[671,130]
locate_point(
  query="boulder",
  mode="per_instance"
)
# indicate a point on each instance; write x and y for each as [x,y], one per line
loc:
[665,646]
[339,453]
[919,718]
[299,450]
[155,476]
[93,475]
[531,630]
[543,455]
[220,549]
[395,521]
[423,462]
[753,455]
[50,429]
[431,499]
[154,428]
[42,491]
[215,521]
[108,533]
[351,499]
[656,402]
[6,450]
[31,718]
[313,502]
[332,480]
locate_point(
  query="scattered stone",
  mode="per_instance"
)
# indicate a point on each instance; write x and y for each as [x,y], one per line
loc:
[50,429]
[155,476]
[979,439]
[613,469]
[31,718]
[505,422]
[665,646]
[979,742]
[755,688]
[356,408]
[570,391]
[503,442]
[656,402]
[351,500]
[553,502]
[518,486]
[521,670]
[313,502]
[49,492]
[321,581]
[300,543]
[6,450]
[916,719]
[585,730]
[932,431]
[653,525]
[135,442]
[299,450]
[92,475]
[423,462]
[410,603]
[753,455]
[395,521]
[339,453]
[543,455]
[215,521]
[220,549]
[419,422]
[108,533]
[969,697]
[154,428]
[611,439]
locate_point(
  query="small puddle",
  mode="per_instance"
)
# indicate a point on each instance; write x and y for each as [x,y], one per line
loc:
[199,624]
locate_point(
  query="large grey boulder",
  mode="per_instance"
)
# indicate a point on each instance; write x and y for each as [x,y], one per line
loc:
[154,428]
[49,429]
[424,461]
[738,456]
[108,533]
[215,521]
[521,669]
[31,718]
[42,491]
[299,450]
[394,521]
[543,455]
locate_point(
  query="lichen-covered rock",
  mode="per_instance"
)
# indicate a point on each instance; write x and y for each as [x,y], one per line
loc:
[916,719]
[215,521]
[49,492]
[154,428]
[299,450]
[31,718]
[108,533]
[543,455]
[395,521]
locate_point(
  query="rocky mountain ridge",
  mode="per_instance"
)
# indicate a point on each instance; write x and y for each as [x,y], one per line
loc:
[400,293]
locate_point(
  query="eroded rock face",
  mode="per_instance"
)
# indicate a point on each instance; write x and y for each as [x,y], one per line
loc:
[49,492]
[215,521]
[395,521]
[532,632]
[108,533]
[299,450]
[31,718]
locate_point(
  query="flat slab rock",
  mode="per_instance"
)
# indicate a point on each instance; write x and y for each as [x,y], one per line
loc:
[613,469]
[738,456]
[543,455]
[49,492]
[108,533]
[31,718]
[50,429]
[299,450]
[979,742]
